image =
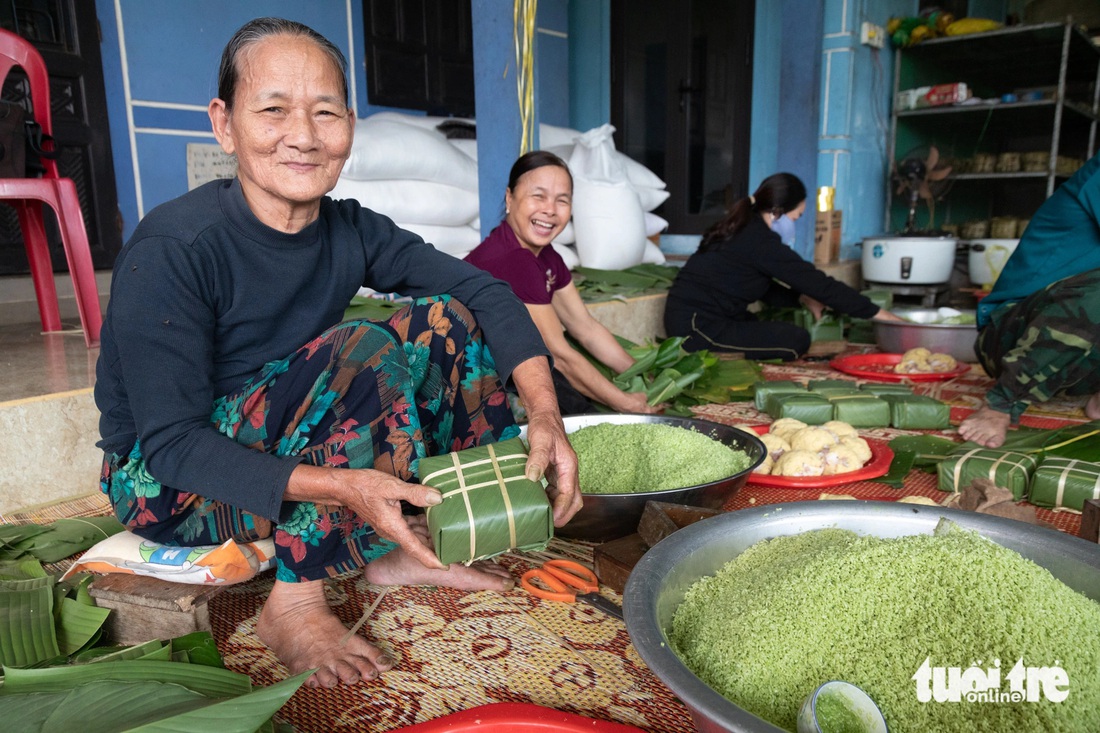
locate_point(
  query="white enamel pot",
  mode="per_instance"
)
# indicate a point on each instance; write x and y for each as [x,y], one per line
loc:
[987,257]
[908,260]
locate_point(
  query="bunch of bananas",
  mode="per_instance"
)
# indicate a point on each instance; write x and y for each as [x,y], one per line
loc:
[909,31]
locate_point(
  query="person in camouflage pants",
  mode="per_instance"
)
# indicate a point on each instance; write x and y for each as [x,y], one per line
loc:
[1046,345]
[1038,327]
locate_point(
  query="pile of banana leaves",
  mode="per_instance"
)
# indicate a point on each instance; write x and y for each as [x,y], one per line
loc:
[596,285]
[669,375]
[925,452]
[59,675]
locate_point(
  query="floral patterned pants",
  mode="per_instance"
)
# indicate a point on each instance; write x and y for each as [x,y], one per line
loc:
[363,394]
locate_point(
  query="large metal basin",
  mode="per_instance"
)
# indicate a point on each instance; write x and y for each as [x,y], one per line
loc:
[896,337]
[658,582]
[610,516]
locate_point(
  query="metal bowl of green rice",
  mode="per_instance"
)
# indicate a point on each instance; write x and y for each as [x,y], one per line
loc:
[609,516]
[659,582]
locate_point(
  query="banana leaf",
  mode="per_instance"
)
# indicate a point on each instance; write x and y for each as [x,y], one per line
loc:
[22,569]
[204,680]
[117,654]
[63,538]
[105,706]
[77,624]
[899,470]
[200,648]
[371,309]
[637,369]
[618,278]
[669,383]
[27,632]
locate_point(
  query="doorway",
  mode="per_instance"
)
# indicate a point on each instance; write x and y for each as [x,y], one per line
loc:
[66,33]
[681,100]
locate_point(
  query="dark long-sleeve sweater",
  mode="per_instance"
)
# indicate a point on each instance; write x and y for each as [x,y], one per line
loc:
[204,295]
[723,281]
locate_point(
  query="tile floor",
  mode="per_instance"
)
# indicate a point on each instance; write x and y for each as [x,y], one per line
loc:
[36,364]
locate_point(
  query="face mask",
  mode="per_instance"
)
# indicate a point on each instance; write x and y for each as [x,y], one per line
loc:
[784,227]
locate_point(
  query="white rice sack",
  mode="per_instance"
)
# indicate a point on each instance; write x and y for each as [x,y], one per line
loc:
[568,254]
[466,147]
[638,175]
[654,224]
[424,122]
[567,236]
[388,150]
[594,159]
[610,225]
[653,254]
[457,241]
[416,202]
[551,136]
[651,198]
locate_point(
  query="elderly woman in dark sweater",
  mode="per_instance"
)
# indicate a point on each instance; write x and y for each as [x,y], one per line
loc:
[234,402]
[741,261]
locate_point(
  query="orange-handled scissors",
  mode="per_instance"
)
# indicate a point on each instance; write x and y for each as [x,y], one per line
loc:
[559,577]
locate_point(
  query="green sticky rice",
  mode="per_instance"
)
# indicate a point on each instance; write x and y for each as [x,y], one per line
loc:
[793,612]
[834,713]
[626,459]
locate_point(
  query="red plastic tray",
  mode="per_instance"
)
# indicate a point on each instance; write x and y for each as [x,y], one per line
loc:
[515,717]
[881,458]
[880,367]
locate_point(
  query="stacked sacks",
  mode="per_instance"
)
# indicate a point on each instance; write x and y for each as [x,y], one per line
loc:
[404,167]
[422,173]
[613,199]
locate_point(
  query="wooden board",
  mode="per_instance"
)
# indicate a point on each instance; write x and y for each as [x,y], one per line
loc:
[614,560]
[1090,520]
[144,608]
[660,519]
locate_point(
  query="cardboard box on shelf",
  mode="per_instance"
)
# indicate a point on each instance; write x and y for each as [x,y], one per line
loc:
[827,237]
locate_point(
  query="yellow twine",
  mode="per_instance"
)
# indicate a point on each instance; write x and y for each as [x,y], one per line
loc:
[523,36]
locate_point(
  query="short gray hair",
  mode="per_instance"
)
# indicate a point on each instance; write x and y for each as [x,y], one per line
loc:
[257,30]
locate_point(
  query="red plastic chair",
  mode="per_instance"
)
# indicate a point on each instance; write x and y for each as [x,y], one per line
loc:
[27,196]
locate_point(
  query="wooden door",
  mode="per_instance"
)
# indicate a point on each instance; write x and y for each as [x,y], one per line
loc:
[66,33]
[681,94]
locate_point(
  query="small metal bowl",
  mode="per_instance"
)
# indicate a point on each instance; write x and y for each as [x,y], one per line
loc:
[610,516]
[918,329]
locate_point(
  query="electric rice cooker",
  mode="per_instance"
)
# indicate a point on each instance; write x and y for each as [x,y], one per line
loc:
[908,260]
[987,257]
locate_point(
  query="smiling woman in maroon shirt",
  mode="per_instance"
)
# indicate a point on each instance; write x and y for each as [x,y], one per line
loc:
[538,204]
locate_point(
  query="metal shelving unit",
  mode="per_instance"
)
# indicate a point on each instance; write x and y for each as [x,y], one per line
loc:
[1058,62]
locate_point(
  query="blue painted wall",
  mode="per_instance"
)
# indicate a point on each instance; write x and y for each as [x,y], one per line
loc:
[589,63]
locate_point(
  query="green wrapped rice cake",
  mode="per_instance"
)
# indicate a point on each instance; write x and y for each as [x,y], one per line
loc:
[918,412]
[884,388]
[1064,482]
[816,385]
[489,506]
[1009,469]
[764,390]
[810,408]
[861,410]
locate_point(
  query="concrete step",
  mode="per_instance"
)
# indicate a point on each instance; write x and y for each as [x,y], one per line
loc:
[49,451]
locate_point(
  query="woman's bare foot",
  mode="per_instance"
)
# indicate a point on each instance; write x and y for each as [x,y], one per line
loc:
[297,624]
[399,568]
[986,427]
[1092,407]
